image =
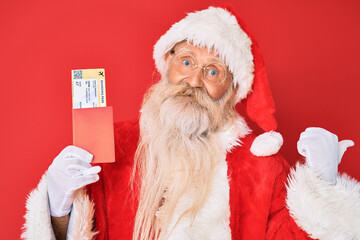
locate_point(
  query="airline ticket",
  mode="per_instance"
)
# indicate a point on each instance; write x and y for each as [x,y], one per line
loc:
[88,88]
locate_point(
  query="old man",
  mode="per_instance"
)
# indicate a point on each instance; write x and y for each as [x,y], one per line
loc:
[190,167]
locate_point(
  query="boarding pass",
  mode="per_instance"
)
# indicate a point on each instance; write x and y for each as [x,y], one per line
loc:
[88,88]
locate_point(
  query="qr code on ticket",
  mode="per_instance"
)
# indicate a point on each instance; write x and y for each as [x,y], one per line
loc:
[77,74]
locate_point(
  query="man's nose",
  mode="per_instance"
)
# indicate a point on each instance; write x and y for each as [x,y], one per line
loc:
[195,79]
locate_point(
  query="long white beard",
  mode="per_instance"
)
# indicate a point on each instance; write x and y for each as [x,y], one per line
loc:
[177,153]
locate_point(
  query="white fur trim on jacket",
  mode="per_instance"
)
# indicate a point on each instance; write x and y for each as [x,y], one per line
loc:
[38,222]
[212,222]
[231,137]
[217,29]
[324,211]
[266,144]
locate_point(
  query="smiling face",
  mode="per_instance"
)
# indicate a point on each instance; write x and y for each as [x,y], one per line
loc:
[215,78]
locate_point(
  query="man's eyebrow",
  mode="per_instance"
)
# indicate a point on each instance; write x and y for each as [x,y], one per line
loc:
[184,48]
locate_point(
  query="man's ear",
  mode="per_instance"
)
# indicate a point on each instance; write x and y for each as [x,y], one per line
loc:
[168,56]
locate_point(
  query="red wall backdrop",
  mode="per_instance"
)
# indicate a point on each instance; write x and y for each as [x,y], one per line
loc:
[311,49]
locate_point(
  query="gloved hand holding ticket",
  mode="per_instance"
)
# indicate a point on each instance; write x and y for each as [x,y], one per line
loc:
[93,128]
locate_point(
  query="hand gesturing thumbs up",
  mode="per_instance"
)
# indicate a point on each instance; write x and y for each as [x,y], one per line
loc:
[322,151]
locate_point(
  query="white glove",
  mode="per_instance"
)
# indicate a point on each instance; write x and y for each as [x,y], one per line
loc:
[69,171]
[322,151]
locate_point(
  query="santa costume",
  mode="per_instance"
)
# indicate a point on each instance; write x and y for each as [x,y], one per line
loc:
[254,195]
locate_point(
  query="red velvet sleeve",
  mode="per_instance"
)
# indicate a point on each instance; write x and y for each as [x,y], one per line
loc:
[280,224]
[113,185]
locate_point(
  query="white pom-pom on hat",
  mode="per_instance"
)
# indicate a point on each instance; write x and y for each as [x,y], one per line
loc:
[266,144]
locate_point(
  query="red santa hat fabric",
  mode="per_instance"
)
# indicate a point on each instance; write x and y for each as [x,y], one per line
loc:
[219,28]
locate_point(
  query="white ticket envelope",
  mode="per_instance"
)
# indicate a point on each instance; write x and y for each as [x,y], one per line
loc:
[88,88]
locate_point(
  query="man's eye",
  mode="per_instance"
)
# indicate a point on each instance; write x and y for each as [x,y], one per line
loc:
[213,72]
[186,63]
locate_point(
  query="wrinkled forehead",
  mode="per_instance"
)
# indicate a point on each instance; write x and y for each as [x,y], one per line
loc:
[197,51]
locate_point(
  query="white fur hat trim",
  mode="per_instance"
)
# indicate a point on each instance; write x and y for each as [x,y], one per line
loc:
[267,144]
[217,29]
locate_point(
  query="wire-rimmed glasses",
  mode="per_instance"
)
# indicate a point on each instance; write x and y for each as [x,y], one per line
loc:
[185,64]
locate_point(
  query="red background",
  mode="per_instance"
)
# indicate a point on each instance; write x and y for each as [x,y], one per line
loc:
[311,49]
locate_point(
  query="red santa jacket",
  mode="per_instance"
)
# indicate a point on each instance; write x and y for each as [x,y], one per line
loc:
[257,192]
[257,205]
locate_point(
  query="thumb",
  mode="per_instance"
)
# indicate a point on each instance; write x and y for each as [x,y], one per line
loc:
[343,145]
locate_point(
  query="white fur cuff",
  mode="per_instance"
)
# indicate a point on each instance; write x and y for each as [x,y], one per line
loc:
[324,211]
[37,218]
[38,222]
[81,218]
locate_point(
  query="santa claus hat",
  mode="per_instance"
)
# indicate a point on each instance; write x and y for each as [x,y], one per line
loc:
[218,28]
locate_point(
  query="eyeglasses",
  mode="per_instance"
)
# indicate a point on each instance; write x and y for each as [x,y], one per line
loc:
[185,64]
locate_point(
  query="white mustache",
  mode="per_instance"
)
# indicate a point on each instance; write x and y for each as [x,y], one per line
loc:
[186,115]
